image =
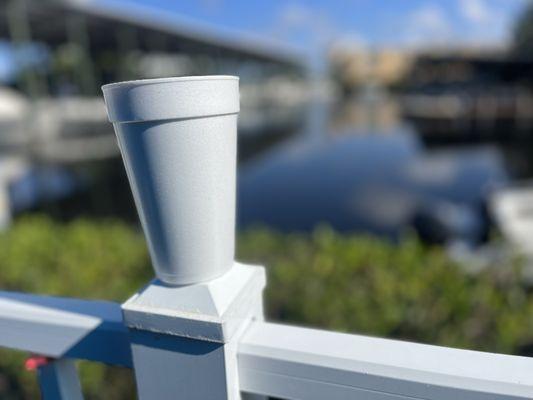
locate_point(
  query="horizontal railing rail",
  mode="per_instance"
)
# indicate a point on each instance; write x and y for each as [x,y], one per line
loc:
[299,363]
[277,360]
[64,328]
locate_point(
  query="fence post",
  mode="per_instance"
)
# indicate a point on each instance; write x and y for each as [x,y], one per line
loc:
[178,140]
[58,379]
[184,339]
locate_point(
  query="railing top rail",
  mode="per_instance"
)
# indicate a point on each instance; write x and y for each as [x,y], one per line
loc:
[278,360]
[62,327]
[293,362]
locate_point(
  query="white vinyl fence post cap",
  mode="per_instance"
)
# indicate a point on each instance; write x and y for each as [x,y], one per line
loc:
[211,311]
[178,139]
[185,339]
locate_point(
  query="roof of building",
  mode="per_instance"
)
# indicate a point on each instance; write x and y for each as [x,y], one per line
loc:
[47,21]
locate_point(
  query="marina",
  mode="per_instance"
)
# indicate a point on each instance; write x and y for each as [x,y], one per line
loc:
[266,200]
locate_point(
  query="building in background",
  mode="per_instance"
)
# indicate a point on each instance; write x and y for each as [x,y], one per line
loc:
[469,94]
[354,69]
[64,50]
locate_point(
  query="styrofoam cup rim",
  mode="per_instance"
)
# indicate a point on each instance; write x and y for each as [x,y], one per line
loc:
[149,81]
[171,98]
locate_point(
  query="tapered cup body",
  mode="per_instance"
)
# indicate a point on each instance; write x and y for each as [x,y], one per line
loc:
[181,165]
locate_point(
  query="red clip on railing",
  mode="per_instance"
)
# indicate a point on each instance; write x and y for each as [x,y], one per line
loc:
[32,363]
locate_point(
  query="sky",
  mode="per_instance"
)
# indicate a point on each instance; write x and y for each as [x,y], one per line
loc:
[370,23]
[314,26]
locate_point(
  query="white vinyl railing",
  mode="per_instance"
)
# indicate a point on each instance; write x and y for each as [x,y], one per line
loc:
[273,360]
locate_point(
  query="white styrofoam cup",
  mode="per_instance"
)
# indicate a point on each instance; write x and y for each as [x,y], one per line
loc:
[178,140]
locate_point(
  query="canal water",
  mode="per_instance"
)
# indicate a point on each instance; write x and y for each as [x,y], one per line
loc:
[357,167]
[371,175]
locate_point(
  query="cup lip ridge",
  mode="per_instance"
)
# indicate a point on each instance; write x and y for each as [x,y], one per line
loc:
[149,81]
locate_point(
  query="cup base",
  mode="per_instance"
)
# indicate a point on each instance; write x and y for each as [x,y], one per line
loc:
[176,281]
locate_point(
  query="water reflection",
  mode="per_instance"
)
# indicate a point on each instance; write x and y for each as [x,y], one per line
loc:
[355,166]
[372,177]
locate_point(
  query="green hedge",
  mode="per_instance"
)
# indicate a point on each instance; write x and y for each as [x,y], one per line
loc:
[347,283]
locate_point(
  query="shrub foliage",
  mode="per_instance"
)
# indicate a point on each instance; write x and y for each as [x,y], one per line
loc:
[324,279]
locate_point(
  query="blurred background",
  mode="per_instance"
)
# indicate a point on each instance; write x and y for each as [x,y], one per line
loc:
[385,159]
